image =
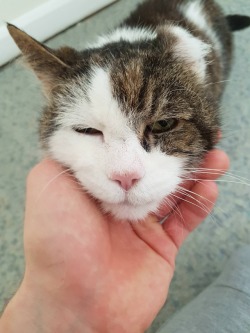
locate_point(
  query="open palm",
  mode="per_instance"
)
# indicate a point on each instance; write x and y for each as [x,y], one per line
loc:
[106,275]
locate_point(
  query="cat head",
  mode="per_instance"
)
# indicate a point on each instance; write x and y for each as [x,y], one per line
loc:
[129,115]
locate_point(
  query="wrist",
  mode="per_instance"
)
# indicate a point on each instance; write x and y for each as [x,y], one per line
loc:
[32,311]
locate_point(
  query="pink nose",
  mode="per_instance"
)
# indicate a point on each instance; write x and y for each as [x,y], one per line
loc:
[126,180]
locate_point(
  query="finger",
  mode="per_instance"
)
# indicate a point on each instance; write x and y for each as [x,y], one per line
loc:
[219,136]
[49,188]
[192,212]
[45,174]
[217,161]
[52,192]
[214,165]
[167,238]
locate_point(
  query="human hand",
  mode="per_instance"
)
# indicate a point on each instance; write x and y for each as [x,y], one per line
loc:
[85,271]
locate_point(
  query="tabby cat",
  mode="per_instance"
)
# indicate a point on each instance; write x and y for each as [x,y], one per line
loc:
[132,113]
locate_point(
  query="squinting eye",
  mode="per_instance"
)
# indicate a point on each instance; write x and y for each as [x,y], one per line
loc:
[162,126]
[89,131]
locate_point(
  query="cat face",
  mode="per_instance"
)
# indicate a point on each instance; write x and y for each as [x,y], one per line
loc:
[127,154]
[127,119]
[111,162]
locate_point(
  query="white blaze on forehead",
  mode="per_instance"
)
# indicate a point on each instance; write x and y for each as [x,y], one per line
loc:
[123,147]
[128,34]
[94,107]
[194,12]
[191,49]
[104,106]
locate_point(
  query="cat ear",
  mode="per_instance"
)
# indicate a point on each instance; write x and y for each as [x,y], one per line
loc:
[192,50]
[50,66]
[238,22]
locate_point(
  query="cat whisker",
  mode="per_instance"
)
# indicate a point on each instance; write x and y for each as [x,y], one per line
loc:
[241,179]
[220,173]
[184,191]
[189,195]
[192,203]
[218,180]
[199,205]
[175,208]
[51,181]
[210,62]
[212,83]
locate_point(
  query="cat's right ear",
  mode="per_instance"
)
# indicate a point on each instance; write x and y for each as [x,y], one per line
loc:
[51,68]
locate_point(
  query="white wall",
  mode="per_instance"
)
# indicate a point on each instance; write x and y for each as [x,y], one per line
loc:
[11,9]
[41,18]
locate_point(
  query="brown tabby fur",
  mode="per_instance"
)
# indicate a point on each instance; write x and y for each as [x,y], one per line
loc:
[147,80]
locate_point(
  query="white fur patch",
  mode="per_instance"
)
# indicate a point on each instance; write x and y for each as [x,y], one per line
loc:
[94,158]
[192,50]
[128,34]
[194,12]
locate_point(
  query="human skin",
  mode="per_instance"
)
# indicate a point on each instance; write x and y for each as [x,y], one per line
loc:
[88,273]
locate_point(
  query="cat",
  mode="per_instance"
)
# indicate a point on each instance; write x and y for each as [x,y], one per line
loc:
[132,113]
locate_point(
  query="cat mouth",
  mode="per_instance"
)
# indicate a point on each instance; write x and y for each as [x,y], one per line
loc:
[127,210]
[126,202]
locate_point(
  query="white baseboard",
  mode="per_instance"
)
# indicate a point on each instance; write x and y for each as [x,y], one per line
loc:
[47,20]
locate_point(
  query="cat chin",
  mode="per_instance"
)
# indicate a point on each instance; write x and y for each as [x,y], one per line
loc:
[130,212]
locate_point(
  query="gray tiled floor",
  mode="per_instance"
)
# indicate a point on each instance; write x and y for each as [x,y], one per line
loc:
[204,254]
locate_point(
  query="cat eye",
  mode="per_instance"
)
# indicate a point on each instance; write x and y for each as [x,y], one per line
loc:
[162,126]
[89,131]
